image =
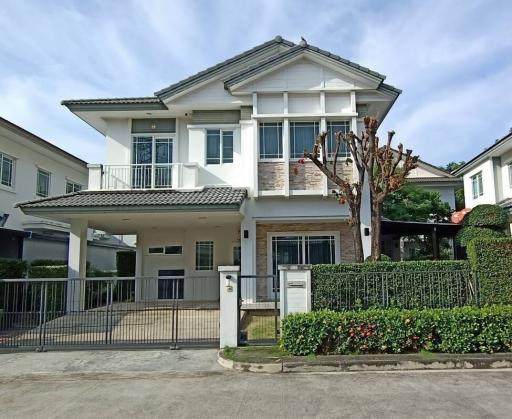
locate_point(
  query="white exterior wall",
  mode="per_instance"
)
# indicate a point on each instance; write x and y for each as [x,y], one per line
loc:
[118,141]
[506,159]
[489,195]
[447,193]
[28,157]
[199,285]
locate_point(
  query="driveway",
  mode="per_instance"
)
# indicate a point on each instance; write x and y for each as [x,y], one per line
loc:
[188,384]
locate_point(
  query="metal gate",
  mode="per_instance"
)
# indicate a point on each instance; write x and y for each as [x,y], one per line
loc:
[258,309]
[100,312]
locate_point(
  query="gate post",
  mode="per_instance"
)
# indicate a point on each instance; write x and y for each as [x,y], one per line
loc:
[229,315]
[294,289]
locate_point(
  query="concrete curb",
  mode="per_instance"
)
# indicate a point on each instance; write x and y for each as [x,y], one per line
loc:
[363,363]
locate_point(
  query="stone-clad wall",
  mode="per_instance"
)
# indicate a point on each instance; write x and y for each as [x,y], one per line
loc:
[271,176]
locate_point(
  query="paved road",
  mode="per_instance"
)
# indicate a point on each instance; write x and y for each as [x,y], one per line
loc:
[83,392]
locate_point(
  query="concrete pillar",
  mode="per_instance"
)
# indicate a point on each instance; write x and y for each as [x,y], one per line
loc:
[77,265]
[139,267]
[229,315]
[295,289]
[366,220]
[247,258]
[95,174]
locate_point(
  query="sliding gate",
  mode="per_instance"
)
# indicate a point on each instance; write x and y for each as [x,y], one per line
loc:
[100,312]
[258,309]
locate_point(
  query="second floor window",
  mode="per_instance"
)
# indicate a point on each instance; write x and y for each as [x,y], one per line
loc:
[510,175]
[219,146]
[271,140]
[6,170]
[477,185]
[72,186]
[332,128]
[43,183]
[152,158]
[302,138]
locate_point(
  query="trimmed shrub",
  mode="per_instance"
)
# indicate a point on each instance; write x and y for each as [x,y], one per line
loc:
[486,215]
[413,284]
[466,234]
[383,258]
[125,263]
[48,262]
[12,268]
[57,271]
[491,260]
[458,330]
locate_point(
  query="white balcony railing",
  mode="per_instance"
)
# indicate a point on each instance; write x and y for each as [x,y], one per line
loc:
[148,176]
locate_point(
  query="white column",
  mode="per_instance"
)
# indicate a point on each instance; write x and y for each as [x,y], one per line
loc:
[247,258]
[366,220]
[286,156]
[139,267]
[229,316]
[95,174]
[77,264]
[294,289]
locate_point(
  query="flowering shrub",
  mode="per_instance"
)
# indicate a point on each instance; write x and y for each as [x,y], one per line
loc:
[457,330]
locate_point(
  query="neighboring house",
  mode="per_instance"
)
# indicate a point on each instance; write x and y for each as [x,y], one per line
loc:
[488,176]
[32,168]
[437,180]
[203,171]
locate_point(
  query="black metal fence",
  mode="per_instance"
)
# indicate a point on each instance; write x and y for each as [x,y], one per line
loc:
[259,320]
[61,312]
[404,289]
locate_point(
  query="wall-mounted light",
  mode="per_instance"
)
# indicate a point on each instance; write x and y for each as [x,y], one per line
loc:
[246,234]
[153,125]
[366,231]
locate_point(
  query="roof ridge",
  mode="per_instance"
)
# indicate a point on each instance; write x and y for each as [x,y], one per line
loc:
[275,41]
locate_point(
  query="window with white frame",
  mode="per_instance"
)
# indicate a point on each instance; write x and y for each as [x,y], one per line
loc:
[271,140]
[477,185]
[332,128]
[510,175]
[219,146]
[6,170]
[302,138]
[72,186]
[151,161]
[43,183]
[204,256]
[302,249]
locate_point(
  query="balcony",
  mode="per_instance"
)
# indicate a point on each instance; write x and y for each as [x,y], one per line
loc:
[143,176]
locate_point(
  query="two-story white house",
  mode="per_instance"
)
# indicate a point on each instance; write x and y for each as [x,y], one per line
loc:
[488,176]
[33,168]
[203,171]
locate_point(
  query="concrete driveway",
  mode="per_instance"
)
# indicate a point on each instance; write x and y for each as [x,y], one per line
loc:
[188,384]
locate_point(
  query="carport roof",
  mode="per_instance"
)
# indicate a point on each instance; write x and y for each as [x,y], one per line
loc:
[209,198]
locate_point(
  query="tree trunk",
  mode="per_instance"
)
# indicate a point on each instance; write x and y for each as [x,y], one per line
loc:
[358,241]
[376,221]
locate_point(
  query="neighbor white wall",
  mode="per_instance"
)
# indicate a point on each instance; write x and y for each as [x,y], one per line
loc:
[489,195]
[28,158]
[506,159]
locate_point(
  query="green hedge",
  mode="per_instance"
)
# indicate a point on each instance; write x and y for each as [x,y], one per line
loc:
[125,263]
[468,233]
[491,260]
[413,284]
[57,271]
[12,268]
[457,330]
[486,215]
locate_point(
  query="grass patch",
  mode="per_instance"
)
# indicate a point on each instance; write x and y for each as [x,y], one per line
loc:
[255,354]
[260,327]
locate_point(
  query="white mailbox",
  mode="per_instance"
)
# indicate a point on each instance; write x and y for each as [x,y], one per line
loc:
[295,289]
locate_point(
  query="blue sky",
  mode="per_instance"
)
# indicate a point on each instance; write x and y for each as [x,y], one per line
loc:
[452,59]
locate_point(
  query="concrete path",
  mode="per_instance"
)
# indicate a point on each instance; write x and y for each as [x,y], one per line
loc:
[188,384]
[111,362]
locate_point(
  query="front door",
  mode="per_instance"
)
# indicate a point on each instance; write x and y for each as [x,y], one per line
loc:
[171,284]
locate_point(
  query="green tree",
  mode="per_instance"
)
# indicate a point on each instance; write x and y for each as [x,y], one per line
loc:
[452,166]
[459,193]
[412,203]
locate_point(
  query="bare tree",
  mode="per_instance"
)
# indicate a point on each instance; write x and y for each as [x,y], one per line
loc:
[386,174]
[388,170]
[350,190]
